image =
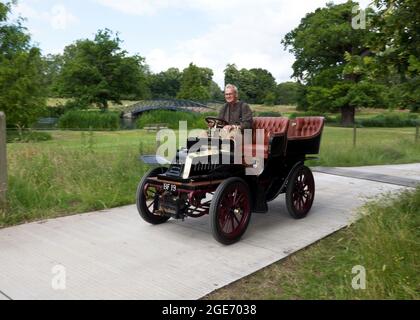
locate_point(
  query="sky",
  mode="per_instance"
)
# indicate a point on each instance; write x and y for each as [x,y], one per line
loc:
[174,33]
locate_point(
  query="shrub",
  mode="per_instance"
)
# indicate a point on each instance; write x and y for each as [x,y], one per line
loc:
[172,118]
[270,99]
[27,136]
[268,114]
[328,119]
[390,119]
[79,119]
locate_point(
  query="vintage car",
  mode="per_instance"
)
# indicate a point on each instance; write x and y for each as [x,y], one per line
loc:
[192,187]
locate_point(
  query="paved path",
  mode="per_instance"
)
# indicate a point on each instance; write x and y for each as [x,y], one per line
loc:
[113,254]
[407,175]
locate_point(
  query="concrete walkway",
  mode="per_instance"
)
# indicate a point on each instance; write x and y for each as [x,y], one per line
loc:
[407,175]
[113,254]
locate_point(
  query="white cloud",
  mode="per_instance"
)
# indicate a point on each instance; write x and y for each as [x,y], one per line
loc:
[245,32]
[147,7]
[61,18]
[248,35]
[58,17]
[136,7]
[26,11]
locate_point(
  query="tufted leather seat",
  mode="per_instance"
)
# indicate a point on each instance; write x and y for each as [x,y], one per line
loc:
[271,126]
[305,128]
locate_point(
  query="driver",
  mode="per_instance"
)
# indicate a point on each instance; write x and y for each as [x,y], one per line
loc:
[237,113]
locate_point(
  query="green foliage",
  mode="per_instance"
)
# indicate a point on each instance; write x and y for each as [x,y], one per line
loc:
[172,119]
[391,120]
[399,35]
[52,68]
[254,85]
[333,58]
[165,84]
[328,118]
[195,83]
[267,114]
[320,42]
[341,95]
[90,120]
[86,172]
[76,104]
[97,170]
[385,241]
[99,71]
[287,93]
[27,136]
[21,70]
[270,99]
[216,94]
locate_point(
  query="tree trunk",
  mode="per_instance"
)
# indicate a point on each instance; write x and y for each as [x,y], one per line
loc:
[104,105]
[347,115]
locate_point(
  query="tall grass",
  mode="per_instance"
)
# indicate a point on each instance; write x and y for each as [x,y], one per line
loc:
[172,119]
[390,120]
[81,119]
[373,147]
[15,135]
[385,241]
[52,180]
[83,171]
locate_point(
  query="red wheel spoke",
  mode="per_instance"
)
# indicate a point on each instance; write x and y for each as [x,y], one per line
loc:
[236,218]
[240,199]
[235,197]
[225,223]
[233,223]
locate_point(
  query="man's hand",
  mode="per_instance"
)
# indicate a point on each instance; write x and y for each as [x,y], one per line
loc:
[230,127]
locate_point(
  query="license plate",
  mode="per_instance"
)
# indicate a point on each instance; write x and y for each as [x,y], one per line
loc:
[169,187]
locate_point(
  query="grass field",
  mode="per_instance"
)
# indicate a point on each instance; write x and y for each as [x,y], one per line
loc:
[373,146]
[84,171]
[385,242]
[74,172]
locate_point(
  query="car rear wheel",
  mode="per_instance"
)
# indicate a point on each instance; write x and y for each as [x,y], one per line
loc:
[230,210]
[300,192]
[147,197]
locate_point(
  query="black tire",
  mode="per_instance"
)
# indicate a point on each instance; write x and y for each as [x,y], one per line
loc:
[231,202]
[141,201]
[300,192]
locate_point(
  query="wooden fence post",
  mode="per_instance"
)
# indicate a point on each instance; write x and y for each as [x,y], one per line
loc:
[3,160]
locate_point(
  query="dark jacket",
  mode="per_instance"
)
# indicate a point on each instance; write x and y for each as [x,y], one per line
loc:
[238,114]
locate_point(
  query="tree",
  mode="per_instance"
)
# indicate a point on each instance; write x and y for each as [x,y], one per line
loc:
[287,93]
[53,64]
[323,44]
[232,75]
[99,71]
[216,94]
[254,85]
[195,83]
[398,46]
[21,91]
[165,84]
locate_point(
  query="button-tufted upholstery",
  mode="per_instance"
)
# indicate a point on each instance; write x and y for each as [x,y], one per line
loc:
[305,127]
[270,125]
